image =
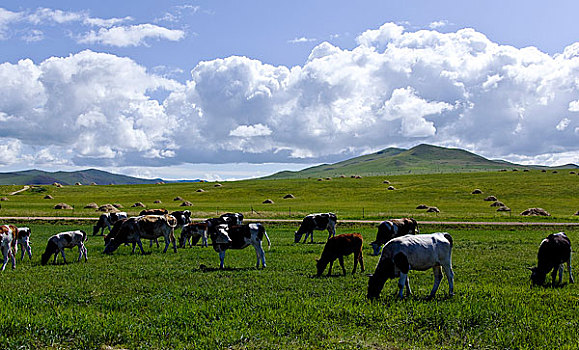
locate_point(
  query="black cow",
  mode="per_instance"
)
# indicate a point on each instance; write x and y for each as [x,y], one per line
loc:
[322,221]
[553,252]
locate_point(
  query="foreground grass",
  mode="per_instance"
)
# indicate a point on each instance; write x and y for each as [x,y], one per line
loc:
[183,301]
[366,198]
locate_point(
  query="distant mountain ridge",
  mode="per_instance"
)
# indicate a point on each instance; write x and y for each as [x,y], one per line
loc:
[85,177]
[421,159]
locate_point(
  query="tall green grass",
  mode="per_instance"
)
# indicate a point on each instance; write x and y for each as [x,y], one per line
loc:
[183,301]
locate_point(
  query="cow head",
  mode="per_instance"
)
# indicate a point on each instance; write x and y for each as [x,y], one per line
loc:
[537,277]
[221,235]
[376,248]
[384,271]
[297,236]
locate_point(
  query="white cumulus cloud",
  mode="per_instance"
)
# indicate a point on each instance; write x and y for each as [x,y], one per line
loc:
[135,35]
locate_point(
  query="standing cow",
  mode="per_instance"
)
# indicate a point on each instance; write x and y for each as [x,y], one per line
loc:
[23,239]
[8,238]
[339,246]
[322,221]
[106,220]
[68,239]
[393,228]
[148,227]
[413,252]
[191,233]
[553,252]
[238,237]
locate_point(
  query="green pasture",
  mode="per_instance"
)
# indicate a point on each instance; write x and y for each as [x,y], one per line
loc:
[365,198]
[182,301]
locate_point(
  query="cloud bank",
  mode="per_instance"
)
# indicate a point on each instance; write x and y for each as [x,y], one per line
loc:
[395,88]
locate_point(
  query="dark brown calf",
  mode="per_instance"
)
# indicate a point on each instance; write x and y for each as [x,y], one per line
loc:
[339,246]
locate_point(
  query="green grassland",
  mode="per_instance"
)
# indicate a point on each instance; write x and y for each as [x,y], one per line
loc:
[365,198]
[182,301]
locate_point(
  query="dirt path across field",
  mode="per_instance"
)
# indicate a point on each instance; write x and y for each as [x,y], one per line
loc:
[22,190]
[297,222]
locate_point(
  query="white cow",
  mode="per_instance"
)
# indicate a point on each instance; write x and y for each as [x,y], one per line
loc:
[413,252]
[68,239]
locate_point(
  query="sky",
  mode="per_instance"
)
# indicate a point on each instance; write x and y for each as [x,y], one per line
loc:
[223,90]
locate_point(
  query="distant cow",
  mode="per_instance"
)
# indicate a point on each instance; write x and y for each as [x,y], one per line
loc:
[106,220]
[23,239]
[148,227]
[339,246]
[8,240]
[153,212]
[68,239]
[393,228]
[322,221]
[238,237]
[191,233]
[413,252]
[553,252]
[183,217]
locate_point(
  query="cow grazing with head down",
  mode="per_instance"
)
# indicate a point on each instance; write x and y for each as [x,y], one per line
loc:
[191,233]
[393,228]
[322,221]
[553,252]
[413,252]
[68,239]
[8,238]
[339,246]
[106,220]
[148,227]
[23,239]
[225,237]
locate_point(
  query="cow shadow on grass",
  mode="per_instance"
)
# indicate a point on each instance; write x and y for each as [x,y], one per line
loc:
[393,298]
[204,268]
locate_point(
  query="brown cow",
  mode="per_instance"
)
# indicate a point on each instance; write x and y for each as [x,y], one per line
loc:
[147,227]
[339,246]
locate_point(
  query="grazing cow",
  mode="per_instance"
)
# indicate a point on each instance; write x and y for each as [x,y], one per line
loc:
[232,218]
[393,228]
[553,252]
[147,227]
[339,246]
[153,212]
[191,233]
[183,217]
[107,220]
[413,252]
[68,239]
[23,238]
[238,237]
[8,234]
[322,221]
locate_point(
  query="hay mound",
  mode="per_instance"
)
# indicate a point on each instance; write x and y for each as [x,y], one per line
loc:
[535,212]
[117,205]
[391,188]
[289,196]
[267,201]
[4,199]
[504,209]
[476,191]
[186,204]
[178,198]
[217,185]
[91,206]
[107,208]
[386,182]
[48,197]
[78,184]
[577,213]
[63,206]
[57,184]
[157,202]
[433,210]
[93,183]
[200,190]
[422,206]
[138,204]
[491,199]
[498,204]
[320,179]
[328,178]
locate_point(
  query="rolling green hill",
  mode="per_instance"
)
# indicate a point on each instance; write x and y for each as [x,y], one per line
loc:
[422,159]
[85,177]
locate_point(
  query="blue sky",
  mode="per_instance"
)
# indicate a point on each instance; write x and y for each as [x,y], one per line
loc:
[237,89]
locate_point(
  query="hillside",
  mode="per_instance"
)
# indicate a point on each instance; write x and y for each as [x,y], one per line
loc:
[422,159]
[85,177]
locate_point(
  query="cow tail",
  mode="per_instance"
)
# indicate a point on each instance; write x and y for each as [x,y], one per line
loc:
[266,237]
[449,237]
[84,236]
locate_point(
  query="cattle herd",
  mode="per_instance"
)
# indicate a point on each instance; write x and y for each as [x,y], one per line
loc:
[401,245]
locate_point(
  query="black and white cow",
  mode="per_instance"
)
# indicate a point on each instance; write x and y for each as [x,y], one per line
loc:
[106,220]
[23,239]
[393,228]
[238,237]
[133,229]
[8,240]
[321,221]
[68,239]
[413,252]
[553,252]
[232,218]
[191,233]
[183,217]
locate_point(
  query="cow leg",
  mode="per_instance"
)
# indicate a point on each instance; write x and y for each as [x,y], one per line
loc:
[29,250]
[222,259]
[361,257]
[450,277]
[62,253]
[331,231]
[401,283]
[5,253]
[174,241]
[140,246]
[437,271]
[330,267]
[561,269]
[408,290]
[134,246]
[83,251]
[306,237]
[341,260]
[12,258]
[569,268]
[554,274]
[22,253]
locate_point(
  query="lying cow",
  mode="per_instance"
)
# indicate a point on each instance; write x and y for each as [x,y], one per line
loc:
[191,233]
[68,239]
[238,237]
[148,227]
[553,252]
[393,228]
[413,252]
[8,238]
[106,220]
[323,221]
[339,246]
[23,239]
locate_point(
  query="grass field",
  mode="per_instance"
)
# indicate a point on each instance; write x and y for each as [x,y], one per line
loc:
[182,301]
[349,198]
